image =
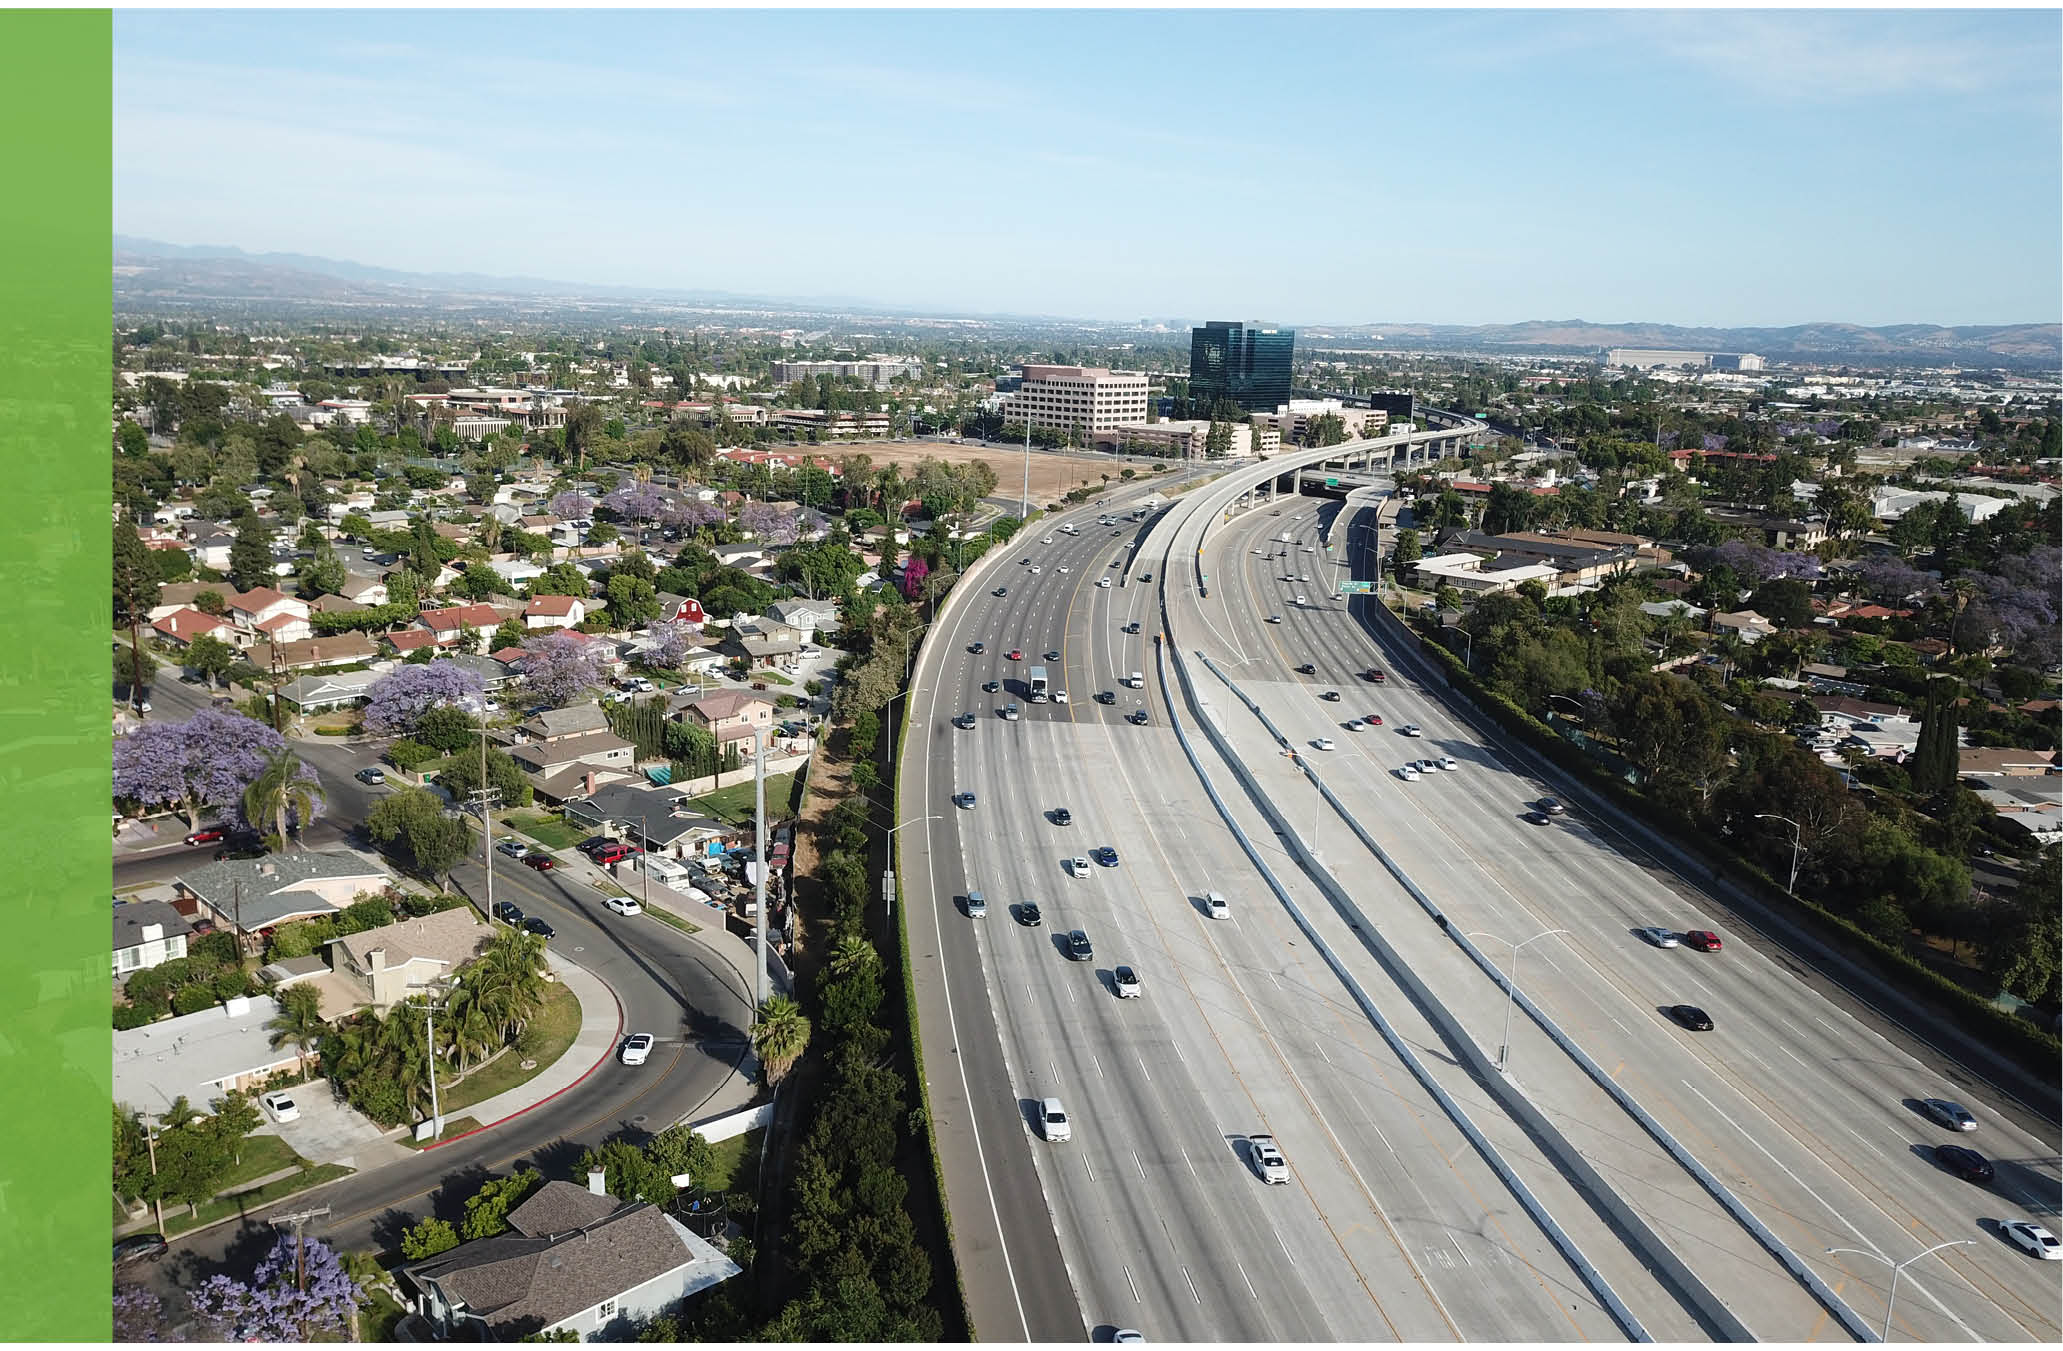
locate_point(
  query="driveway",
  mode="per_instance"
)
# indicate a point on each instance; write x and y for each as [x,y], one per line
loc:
[329,1131]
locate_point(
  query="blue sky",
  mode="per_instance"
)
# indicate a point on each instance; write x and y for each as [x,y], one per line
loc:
[1695,167]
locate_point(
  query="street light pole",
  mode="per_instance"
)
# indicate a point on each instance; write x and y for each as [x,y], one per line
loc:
[1796,836]
[1511,987]
[1468,651]
[1898,1269]
[888,873]
[759,863]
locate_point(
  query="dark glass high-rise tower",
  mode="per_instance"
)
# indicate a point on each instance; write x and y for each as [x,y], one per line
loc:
[1245,363]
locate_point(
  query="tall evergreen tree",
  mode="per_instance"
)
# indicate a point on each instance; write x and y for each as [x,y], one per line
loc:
[250,557]
[1936,763]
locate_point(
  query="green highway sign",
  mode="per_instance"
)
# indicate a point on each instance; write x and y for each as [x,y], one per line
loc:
[1332,483]
[1356,588]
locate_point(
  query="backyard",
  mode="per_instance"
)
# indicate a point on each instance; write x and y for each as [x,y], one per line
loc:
[733,805]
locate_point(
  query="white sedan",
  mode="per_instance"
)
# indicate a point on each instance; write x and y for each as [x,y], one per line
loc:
[281,1106]
[1323,743]
[1411,729]
[624,905]
[637,1048]
[1078,865]
[1409,774]
[2030,1237]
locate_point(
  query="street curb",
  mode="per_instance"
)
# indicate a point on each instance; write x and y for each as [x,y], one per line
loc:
[584,1077]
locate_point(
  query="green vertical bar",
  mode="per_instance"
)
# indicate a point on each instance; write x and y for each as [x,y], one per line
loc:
[55,450]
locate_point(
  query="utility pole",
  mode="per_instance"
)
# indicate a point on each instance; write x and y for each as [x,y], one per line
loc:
[150,1142]
[1024,505]
[759,867]
[298,1218]
[485,796]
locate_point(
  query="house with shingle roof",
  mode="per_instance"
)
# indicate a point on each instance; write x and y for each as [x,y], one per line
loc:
[395,961]
[448,624]
[556,612]
[256,894]
[339,649]
[181,627]
[147,934]
[573,1260]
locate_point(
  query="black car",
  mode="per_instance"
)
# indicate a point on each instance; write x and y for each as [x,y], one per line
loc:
[592,843]
[1966,1164]
[371,775]
[1538,818]
[539,927]
[977,648]
[1104,855]
[1078,949]
[1132,627]
[1307,669]
[1062,817]
[1691,1016]
[964,721]
[1106,696]
[1029,916]
[240,849]
[140,1248]
[991,686]
[508,912]
[1138,718]
[1330,696]
[1000,591]
[1052,656]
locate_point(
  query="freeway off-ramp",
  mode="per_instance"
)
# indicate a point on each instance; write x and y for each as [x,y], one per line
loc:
[1151,1217]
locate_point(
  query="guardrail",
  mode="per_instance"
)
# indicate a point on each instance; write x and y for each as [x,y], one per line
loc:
[1532,1204]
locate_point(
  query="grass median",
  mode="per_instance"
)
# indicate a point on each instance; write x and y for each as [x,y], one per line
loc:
[553,1029]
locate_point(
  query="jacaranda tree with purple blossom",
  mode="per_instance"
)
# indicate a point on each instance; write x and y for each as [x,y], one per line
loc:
[1755,565]
[767,523]
[2022,595]
[206,761]
[560,665]
[300,1289]
[636,502]
[667,647]
[914,573]
[398,699]
[570,505]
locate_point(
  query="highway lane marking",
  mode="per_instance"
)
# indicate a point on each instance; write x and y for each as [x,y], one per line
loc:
[1284,1246]
[1186,1159]
[1098,1064]
[1135,1288]
[1244,1277]
[1090,1167]
[1192,1287]
[1142,1070]
[1321,1052]
[1138,1165]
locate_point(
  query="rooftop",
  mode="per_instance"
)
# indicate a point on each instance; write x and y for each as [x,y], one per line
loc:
[194,1055]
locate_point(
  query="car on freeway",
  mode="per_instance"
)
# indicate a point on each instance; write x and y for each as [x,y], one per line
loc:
[1448,762]
[1552,806]
[1704,940]
[1323,743]
[537,926]
[1126,982]
[1953,1115]
[1214,906]
[1411,729]
[1145,576]
[543,863]
[977,905]
[1538,818]
[2030,1237]
[372,774]
[1047,540]
[1008,712]
[511,848]
[508,912]
[1966,1164]
[1661,938]
[1106,696]
[1300,596]
[964,721]
[1409,773]
[624,905]
[991,686]
[1268,1160]
[282,1107]
[1061,568]
[1052,656]
[1132,627]
[637,1048]
[1138,718]
[1330,696]
[1035,569]
[140,1248]
[1376,676]
[1078,866]
[1103,583]
[1375,720]
[976,649]
[1053,1122]
[964,801]
[1062,816]
[1028,914]
[1078,949]
[1017,654]
[1307,669]
[1000,591]
[1105,856]
[208,835]
[1274,619]
[1691,1016]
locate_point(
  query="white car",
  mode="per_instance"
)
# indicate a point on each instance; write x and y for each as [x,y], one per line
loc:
[281,1106]
[1268,1160]
[1053,1122]
[1323,743]
[2030,1237]
[1408,774]
[1274,619]
[1214,906]
[637,1048]
[1047,540]
[1035,569]
[1061,568]
[1078,865]
[1660,937]
[1449,762]
[1301,600]
[1103,582]
[624,905]
[1126,981]
[1410,729]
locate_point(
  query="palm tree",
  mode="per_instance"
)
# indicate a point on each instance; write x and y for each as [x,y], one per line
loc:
[853,953]
[299,1021]
[470,1025]
[780,1036]
[282,788]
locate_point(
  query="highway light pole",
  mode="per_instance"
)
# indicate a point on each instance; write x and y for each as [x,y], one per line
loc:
[1898,1269]
[1511,986]
[759,865]
[1796,836]
[888,873]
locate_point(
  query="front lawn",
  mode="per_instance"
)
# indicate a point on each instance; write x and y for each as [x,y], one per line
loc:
[554,1028]
[550,831]
[262,1154]
[246,1203]
[733,805]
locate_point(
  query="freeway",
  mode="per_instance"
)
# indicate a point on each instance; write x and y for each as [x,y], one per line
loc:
[1392,1228]
[1804,1109]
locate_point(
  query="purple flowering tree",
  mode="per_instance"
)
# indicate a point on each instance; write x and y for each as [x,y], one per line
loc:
[2022,598]
[139,1314]
[668,647]
[570,505]
[560,665]
[767,523]
[1891,581]
[914,573]
[289,1298]
[206,761]
[401,697]
[1755,565]
[636,502]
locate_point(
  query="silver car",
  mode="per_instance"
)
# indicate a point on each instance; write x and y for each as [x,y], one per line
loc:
[1950,1114]
[1661,938]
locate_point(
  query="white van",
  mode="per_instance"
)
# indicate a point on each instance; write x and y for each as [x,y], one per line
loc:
[1136,680]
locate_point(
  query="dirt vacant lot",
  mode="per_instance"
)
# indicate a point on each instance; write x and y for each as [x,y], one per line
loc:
[1051,474]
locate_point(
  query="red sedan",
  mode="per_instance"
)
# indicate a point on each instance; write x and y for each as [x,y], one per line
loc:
[1375,720]
[208,835]
[1016,654]
[541,862]
[1704,940]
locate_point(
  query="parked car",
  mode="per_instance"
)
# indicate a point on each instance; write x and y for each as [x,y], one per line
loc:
[140,1248]
[1953,1115]
[1691,1016]
[624,905]
[2030,1237]
[1966,1164]
[539,927]
[208,835]
[1126,981]
[541,862]
[1268,1159]
[373,774]
[282,1107]
[511,848]
[637,1048]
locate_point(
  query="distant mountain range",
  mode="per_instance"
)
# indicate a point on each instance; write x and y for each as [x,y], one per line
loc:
[151,277]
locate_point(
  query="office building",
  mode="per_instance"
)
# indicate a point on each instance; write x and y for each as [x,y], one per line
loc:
[876,371]
[1649,358]
[1245,363]
[1081,399]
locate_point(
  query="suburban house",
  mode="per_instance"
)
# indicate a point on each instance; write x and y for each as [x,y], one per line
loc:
[199,1056]
[681,609]
[807,617]
[1991,762]
[557,724]
[2031,805]
[567,766]
[657,818]
[181,627]
[516,571]
[257,894]
[261,610]
[573,1260]
[211,548]
[557,612]
[1467,572]
[395,961]
[493,672]
[147,934]
[1751,627]
[341,649]
[367,592]
[321,693]
[766,644]
[450,624]
[176,596]
[731,715]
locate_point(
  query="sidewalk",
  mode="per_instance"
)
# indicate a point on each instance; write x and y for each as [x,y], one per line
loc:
[601,1028]
[712,931]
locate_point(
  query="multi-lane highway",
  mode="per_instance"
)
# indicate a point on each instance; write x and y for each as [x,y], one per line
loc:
[1393,1225]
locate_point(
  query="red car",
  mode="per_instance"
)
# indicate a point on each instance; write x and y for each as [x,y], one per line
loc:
[1378,677]
[614,853]
[208,835]
[1704,940]
[1375,720]
[541,862]
[1016,654]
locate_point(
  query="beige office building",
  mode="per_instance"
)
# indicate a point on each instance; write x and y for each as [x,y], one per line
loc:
[1082,399]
